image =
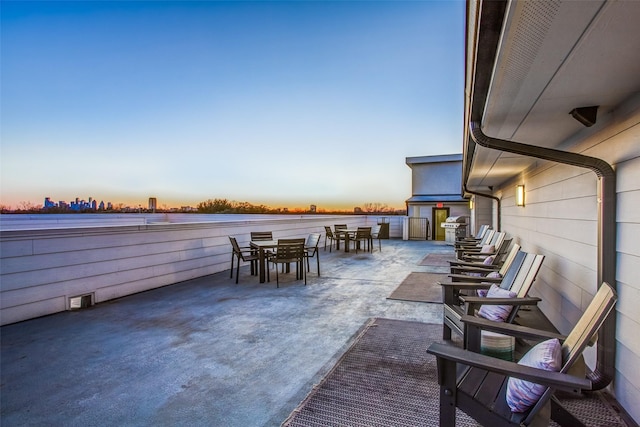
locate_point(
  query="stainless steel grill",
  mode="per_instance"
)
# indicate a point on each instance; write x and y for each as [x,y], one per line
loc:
[454,227]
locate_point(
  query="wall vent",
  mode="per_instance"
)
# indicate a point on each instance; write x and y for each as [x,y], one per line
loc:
[80,301]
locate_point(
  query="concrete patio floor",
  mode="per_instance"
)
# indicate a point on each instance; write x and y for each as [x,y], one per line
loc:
[206,351]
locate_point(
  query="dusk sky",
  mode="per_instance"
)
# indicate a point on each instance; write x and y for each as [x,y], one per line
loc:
[285,104]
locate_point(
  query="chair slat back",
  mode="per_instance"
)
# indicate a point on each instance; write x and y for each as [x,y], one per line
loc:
[588,325]
[328,231]
[290,249]
[483,229]
[363,232]
[523,272]
[261,235]
[509,259]
[340,227]
[312,241]
[512,272]
[530,277]
[487,237]
[499,241]
[234,245]
[375,230]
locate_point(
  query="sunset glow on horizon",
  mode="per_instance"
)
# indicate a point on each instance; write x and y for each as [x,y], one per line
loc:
[283,104]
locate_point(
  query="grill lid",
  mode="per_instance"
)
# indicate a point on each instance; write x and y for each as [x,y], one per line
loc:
[456,219]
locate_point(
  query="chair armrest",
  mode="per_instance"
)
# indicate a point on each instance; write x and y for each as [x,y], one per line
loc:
[472,265]
[539,376]
[467,278]
[465,285]
[511,329]
[466,270]
[499,301]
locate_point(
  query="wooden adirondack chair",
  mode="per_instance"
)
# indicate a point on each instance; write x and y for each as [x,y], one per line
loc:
[475,239]
[488,235]
[480,252]
[501,261]
[477,384]
[520,276]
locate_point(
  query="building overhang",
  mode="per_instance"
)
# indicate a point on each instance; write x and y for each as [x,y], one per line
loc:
[530,64]
[436,198]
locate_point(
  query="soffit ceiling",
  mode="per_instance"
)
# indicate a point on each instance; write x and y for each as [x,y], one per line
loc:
[554,56]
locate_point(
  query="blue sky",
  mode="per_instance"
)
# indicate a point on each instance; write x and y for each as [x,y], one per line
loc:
[275,103]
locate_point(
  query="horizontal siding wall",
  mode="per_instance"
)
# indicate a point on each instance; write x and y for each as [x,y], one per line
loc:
[560,221]
[42,269]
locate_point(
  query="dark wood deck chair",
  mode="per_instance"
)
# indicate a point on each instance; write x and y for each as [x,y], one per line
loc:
[288,251]
[519,279]
[328,235]
[242,254]
[311,249]
[362,238]
[504,256]
[477,384]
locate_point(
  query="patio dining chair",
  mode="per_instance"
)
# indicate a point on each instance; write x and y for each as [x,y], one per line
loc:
[286,252]
[311,249]
[328,235]
[362,238]
[375,234]
[502,393]
[245,254]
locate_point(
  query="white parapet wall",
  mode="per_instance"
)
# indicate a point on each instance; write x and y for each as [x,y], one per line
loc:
[42,269]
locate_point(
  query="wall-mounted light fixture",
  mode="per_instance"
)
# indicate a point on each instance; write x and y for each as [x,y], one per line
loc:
[471,203]
[519,195]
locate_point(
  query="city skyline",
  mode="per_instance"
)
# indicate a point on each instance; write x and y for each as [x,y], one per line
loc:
[274,103]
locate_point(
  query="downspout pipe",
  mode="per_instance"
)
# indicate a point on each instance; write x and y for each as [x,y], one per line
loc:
[491,196]
[605,365]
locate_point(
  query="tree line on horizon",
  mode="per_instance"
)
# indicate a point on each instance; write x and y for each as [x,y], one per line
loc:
[210,206]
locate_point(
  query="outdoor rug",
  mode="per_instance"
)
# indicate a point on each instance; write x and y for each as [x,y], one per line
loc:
[387,378]
[421,287]
[437,260]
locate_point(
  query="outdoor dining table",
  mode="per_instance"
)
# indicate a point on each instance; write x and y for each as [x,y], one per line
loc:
[348,232]
[260,246]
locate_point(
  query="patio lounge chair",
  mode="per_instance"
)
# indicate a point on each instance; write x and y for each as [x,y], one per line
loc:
[519,279]
[480,252]
[486,239]
[475,239]
[499,262]
[480,385]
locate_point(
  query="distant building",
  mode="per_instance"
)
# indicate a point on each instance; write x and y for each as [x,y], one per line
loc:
[153,204]
[48,203]
[312,208]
